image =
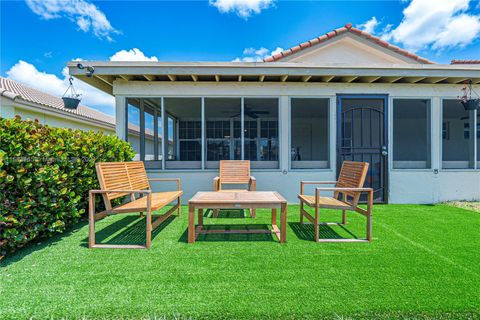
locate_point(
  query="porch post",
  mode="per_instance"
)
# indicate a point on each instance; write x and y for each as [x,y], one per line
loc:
[284,130]
[436,133]
[121,117]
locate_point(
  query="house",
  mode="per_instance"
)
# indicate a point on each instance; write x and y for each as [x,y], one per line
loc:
[29,103]
[346,95]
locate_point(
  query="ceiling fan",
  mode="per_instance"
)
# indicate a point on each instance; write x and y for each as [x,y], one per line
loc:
[251,113]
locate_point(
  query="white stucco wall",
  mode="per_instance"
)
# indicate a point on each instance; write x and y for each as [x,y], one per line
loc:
[405,186]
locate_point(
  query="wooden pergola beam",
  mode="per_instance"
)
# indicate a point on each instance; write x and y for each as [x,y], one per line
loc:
[149,77]
[261,78]
[171,77]
[194,77]
[349,78]
[284,77]
[327,78]
[306,78]
[125,77]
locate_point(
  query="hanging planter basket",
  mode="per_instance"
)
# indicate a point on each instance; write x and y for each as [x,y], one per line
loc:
[471,104]
[466,99]
[71,99]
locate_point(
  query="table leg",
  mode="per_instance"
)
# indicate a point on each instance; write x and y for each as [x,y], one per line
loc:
[283,223]
[191,224]
[274,216]
[200,218]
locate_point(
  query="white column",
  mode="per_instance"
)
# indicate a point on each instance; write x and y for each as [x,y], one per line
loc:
[121,117]
[284,132]
[436,132]
[332,130]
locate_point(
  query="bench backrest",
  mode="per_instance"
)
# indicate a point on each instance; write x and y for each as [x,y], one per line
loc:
[352,175]
[235,171]
[121,176]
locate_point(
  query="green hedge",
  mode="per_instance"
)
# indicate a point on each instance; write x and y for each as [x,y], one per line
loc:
[45,175]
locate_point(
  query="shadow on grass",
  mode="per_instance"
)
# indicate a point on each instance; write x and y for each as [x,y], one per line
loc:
[307,231]
[127,233]
[234,237]
[39,244]
[228,213]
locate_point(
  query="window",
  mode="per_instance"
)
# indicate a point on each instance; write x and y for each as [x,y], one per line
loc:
[309,133]
[133,126]
[411,134]
[193,142]
[261,132]
[144,129]
[223,130]
[184,133]
[458,151]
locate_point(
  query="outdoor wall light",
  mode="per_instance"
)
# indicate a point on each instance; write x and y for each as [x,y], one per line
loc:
[90,69]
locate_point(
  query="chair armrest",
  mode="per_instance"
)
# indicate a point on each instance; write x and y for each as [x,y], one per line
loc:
[120,191]
[303,183]
[252,184]
[216,183]
[167,179]
[369,190]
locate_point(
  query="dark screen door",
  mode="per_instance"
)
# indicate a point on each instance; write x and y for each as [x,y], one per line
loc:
[362,136]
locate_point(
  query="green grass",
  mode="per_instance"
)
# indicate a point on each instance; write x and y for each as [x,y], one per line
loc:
[423,264]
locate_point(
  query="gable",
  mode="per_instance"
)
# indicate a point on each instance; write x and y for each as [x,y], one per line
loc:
[348,49]
[335,47]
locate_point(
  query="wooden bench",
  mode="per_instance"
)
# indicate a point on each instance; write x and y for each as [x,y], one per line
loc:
[346,197]
[118,179]
[236,172]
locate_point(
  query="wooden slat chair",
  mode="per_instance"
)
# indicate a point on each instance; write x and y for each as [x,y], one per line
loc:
[235,172]
[118,179]
[346,196]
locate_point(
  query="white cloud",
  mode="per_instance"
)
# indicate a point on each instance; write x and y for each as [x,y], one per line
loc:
[86,15]
[369,26]
[131,55]
[29,75]
[243,8]
[256,55]
[436,24]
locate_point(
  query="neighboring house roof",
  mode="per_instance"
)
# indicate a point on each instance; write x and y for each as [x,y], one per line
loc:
[14,90]
[347,28]
[465,62]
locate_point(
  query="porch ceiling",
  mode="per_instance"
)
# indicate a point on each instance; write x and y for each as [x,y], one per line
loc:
[106,73]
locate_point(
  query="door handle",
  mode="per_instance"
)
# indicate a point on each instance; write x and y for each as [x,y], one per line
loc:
[384,151]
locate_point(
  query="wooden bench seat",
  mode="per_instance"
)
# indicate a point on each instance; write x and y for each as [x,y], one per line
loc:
[159,200]
[120,179]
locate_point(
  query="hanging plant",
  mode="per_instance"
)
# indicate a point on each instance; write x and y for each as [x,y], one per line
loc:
[466,98]
[71,98]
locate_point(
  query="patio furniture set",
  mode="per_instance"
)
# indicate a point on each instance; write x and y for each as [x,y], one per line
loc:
[120,179]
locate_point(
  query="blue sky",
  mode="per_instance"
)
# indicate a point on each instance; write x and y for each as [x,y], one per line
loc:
[38,37]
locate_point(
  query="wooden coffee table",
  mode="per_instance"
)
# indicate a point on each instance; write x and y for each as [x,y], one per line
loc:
[237,200]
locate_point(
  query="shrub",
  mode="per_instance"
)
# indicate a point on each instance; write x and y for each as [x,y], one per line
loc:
[45,175]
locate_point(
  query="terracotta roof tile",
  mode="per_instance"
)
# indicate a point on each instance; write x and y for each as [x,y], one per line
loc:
[348,28]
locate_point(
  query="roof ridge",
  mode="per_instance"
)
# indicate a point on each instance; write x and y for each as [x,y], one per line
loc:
[347,28]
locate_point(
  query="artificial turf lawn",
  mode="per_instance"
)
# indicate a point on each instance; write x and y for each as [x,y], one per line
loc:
[423,263]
